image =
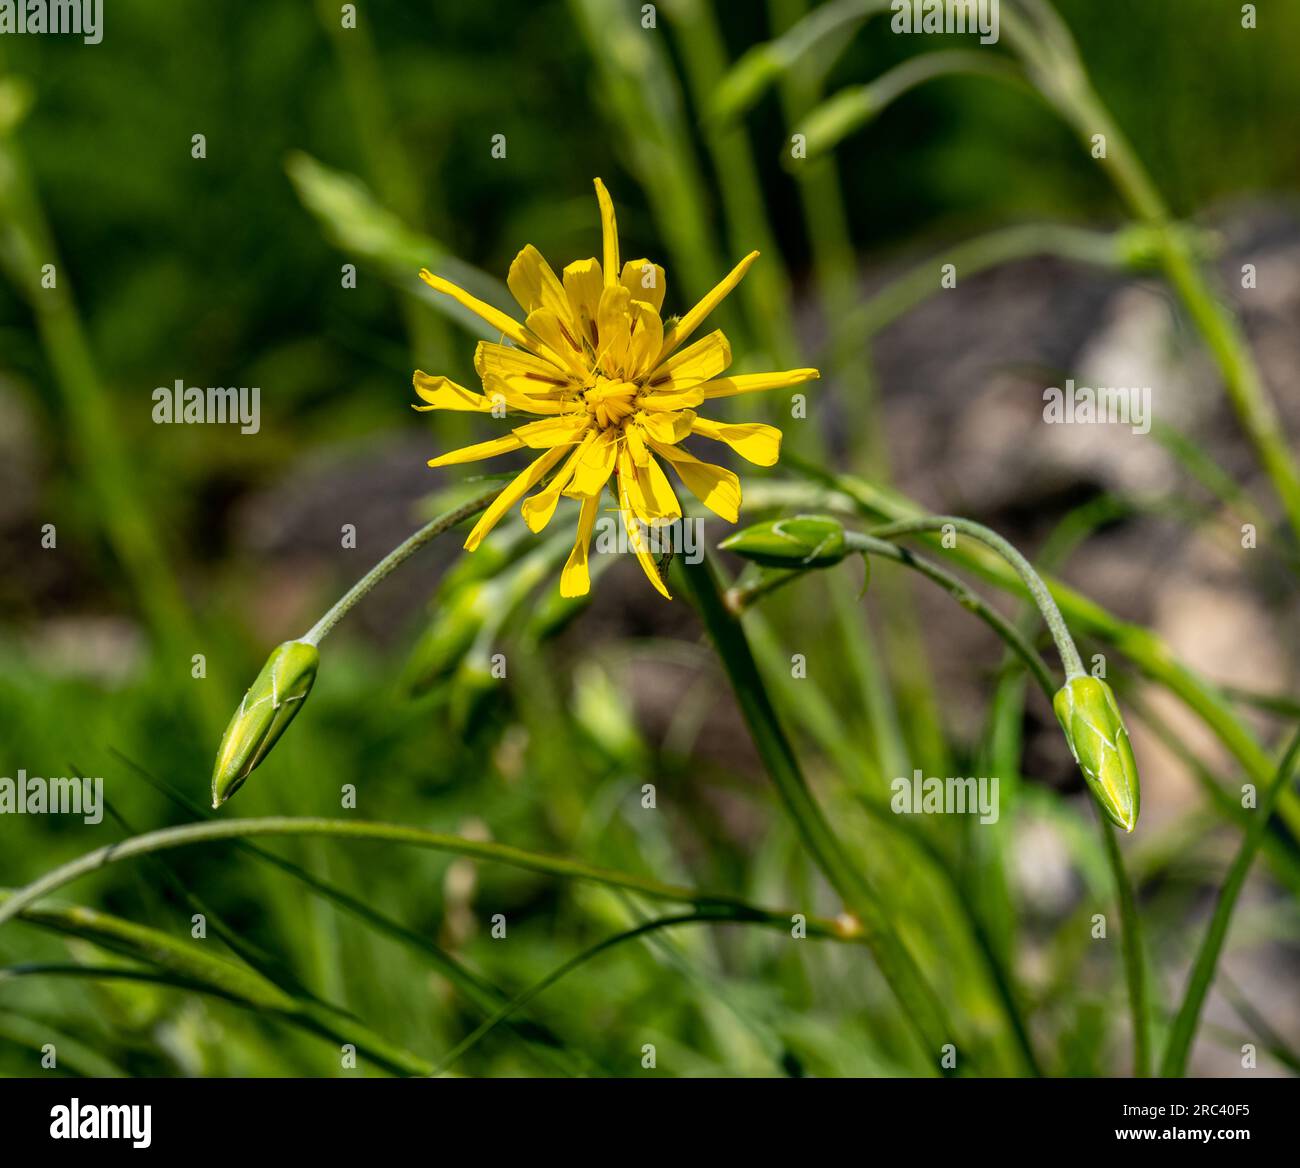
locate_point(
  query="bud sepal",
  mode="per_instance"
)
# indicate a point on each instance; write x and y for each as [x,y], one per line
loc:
[1086,708]
[271,703]
[802,541]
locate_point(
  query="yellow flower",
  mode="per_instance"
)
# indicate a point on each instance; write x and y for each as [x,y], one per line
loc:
[613,391]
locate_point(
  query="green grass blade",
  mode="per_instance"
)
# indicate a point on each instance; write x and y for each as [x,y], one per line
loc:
[195,833]
[924,1011]
[1201,978]
[478,991]
[520,1001]
[73,1053]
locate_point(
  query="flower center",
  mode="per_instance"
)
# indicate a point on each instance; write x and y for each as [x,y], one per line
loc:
[611,402]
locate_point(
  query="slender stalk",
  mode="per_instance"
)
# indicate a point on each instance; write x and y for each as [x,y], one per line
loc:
[817,717]
[1016,641]
[1024,569]
[1147,650]
[1000,974]
[854,106]
[237,829]
[1183,1032]
[402,552]
[925,1013]
[1131,947]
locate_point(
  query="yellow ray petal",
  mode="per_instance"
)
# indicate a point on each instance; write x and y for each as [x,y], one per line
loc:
[500,392]
[564,430]
[441,393]
[639,543]
[533,283]
[645,281]
[669,426]
[715,486]
[688,399]
[500,322]
[575,580]
[613,329]
[583,285]
[538,509]
[478,451]
[693,319]
[523,371]
[646,337]
[648,488]
[754,441]
[594,467]
[608,235]
[709,357]
[557,338]
[754,382]
[634,435]
[517,489]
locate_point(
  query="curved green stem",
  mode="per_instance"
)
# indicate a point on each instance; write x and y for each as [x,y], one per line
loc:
[402,552]
[1130,922]
[852,107]
[1146,649]
[1131,947]
[482,994]
[965,596]
[1024,569]
[233,829]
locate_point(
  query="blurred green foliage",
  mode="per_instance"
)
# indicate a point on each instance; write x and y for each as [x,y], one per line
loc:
[223,270]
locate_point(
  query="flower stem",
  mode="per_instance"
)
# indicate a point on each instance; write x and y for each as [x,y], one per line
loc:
[1024,569]
[1149,652]
[925,1013]
[966,597]
[1131,947]
[403,551]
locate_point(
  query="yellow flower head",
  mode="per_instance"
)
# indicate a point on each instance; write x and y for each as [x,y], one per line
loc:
[612,388]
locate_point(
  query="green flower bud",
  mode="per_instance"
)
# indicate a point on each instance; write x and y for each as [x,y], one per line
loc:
[267,709]
[1087,710]
[804,541]
[451,634]
[744,84]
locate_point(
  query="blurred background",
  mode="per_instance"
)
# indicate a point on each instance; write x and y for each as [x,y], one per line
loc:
[373,146]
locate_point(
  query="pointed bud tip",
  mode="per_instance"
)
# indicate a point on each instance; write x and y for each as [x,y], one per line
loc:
[1089,715]
[804,541]
[271,703]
